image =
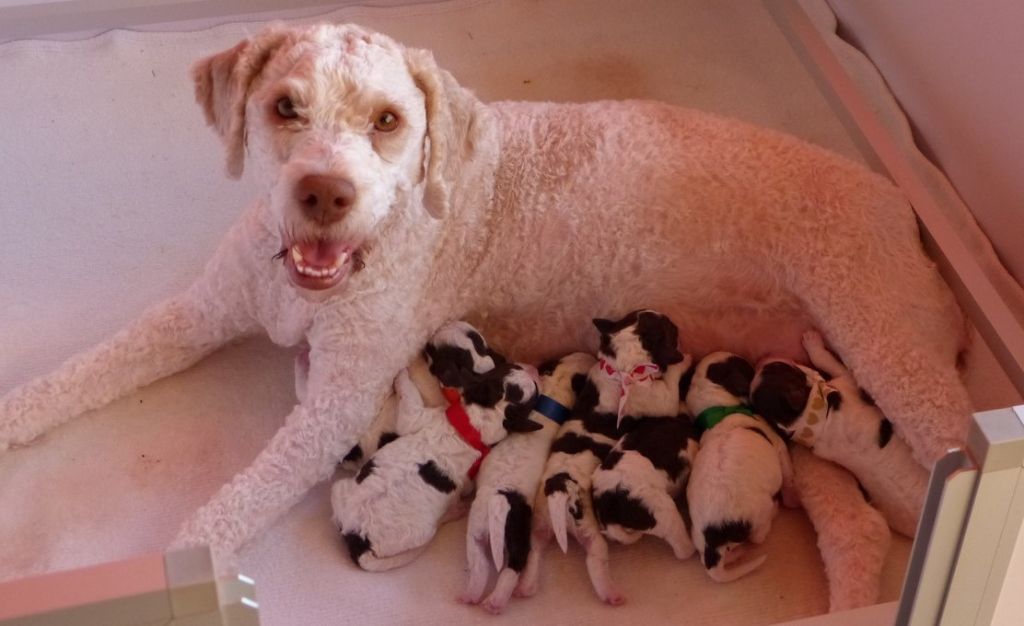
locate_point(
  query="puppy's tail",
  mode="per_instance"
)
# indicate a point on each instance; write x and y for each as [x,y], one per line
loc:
[498,508]
[721,573]
[563,494]
[361,551]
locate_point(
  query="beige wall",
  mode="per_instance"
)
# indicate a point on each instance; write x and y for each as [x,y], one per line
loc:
[957,68]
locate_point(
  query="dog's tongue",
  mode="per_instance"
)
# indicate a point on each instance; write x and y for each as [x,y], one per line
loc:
[321,253]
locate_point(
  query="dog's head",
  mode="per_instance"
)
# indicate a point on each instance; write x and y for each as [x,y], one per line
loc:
[500,402]
[562,379]
[640,337]
[346,129]
[792,396]
[720,379]
[458,355]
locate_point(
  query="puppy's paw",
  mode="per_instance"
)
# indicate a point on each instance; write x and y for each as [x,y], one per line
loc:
[404,385]
[525,589]
[812,341]
[493,607]
[614,598]
[467,598]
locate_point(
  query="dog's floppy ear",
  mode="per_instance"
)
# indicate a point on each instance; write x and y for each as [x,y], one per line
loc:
[454,127]
[521,426]
[222,83]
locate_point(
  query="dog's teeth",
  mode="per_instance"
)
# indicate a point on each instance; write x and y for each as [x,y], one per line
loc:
[296,254]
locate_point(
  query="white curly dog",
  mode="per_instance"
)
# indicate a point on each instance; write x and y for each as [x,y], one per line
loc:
[394,201]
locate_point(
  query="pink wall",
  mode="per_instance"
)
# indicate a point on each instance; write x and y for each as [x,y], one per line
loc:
[957,68]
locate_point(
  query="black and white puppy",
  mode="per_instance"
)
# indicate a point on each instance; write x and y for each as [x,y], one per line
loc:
[509,476]
[579,447]
[825,410]
[635,487]
[740,473]
[389,512]
[637,373]
[455,355]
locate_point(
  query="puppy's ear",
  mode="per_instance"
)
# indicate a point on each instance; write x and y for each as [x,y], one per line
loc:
[671,356]
[521,426]
[455,127]
[834,400]
[222,83]
[485,392]
[733,374]
[605,327]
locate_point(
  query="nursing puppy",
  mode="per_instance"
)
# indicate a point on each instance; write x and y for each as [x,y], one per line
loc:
[456,354]
[839,422]
[740,473]
[635,485]
[391,509]
[509,477]
[634,354]
[580,446]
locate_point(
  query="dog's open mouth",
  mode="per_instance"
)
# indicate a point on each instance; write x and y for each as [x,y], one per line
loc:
[319,263]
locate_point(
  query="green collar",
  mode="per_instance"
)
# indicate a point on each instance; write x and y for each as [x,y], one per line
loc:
[711,416]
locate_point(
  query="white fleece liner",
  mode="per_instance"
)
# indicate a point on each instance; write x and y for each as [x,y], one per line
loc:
[112,197]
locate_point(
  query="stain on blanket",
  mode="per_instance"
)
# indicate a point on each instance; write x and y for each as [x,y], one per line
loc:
[618,75]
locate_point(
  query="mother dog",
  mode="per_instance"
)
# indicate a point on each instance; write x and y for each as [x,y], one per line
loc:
[393,201]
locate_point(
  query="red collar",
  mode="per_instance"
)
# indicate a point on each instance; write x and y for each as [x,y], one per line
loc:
[459,420]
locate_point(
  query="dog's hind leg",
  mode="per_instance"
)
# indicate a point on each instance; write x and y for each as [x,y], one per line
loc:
[895,325]
[167,338]
[853,537]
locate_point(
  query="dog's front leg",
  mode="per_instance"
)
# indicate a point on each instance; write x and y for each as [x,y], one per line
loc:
[354,357]
[167,338]
[302,453]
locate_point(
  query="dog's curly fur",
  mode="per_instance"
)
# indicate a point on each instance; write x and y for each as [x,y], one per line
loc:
[743,236]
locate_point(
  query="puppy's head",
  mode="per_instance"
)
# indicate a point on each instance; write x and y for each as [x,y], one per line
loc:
[640,337]
[345,128]
[791,396]
[720,379]
[562,379]
[458,355]
[500,401]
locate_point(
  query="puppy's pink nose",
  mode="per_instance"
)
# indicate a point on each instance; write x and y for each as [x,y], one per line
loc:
[325,199]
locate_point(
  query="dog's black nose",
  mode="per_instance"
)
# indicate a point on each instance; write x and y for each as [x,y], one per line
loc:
[325,199]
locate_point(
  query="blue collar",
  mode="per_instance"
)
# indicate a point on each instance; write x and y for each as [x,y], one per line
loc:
[551,409]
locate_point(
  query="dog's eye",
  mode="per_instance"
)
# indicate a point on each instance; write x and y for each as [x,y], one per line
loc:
[386,122]
[286,109]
